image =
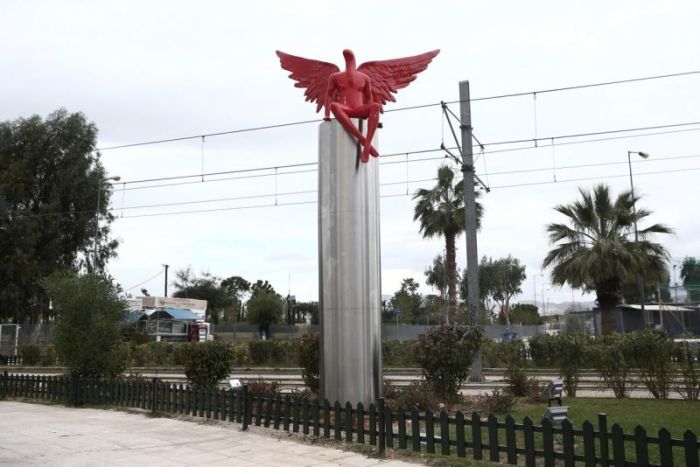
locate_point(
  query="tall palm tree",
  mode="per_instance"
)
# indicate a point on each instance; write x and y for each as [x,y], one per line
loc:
[440,211]
[597,250]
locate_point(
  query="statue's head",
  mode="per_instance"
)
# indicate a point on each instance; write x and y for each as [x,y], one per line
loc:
[349,56]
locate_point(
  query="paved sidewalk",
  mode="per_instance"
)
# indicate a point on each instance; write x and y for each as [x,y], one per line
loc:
[35,434]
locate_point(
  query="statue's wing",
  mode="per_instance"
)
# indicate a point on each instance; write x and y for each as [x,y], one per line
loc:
[388,76]
[310,74]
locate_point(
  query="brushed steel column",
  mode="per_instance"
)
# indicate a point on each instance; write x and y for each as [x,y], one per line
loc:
[349,270]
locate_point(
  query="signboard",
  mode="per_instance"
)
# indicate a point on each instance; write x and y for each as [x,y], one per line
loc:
[170,302]
[397,311]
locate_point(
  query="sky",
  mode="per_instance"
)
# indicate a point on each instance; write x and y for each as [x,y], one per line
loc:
[145,71]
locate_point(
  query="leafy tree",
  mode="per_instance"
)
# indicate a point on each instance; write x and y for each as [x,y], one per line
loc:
[436,276]
[236,287]
[597,250]
[303,308]
[264,309]
[440,211]
[522,313]
[408,300]
[206,287]
[89,314]
[261,286]
[654,282]
[690,274]
[501,280]
[50,182]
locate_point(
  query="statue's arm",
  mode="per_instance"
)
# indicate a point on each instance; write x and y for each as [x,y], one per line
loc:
[329,93]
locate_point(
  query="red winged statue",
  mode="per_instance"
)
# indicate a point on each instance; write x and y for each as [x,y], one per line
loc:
[357,92]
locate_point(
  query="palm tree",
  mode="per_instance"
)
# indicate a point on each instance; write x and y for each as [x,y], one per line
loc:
[597,250]
[440,211]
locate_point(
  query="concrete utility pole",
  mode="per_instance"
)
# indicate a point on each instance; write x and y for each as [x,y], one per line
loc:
[470,220]
[165,293]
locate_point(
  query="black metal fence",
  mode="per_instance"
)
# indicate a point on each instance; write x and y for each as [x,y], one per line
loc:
[377,425]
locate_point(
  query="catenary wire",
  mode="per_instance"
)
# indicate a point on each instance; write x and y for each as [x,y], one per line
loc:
[399,109]
[422,151]
[658,172]
[147,280]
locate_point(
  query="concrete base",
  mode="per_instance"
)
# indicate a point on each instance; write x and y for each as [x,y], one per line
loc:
[349,270]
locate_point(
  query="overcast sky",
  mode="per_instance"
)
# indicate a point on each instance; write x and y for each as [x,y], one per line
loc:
[156,70]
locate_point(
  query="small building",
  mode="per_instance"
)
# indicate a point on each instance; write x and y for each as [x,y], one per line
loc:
[674,319]
[173,325]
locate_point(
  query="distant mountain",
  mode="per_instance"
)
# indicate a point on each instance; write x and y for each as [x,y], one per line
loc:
[553,308]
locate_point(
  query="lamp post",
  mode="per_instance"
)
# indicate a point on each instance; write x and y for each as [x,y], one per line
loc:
[640,278]
[116,178]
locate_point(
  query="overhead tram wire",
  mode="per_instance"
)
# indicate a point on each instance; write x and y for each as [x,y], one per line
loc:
[147,280]
[401,182]
[399,109]
[527,184]
[404,153]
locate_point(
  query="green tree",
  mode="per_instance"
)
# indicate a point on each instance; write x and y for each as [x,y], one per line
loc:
[690,274]
[261,286]
[264,309]
[236,287]
[597,251]
[522,313]
[205,287]
[501,280]
[408,300]
[440,211]
[89,315]
[436,276]
[50,182]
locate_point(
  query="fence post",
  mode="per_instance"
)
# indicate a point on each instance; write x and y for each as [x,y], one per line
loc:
[494,455]
[641,448]
[548,442]
[568,441]
[348,422]
[618,445]
[415,429]
[459,433]
[603,435]
[429,432]
[360,423]
[154,394]
[401,419]
[529,435]
[476,436]
[445,433]
[511,453]
[380,411]
[665,447]
[691,448]
[588,444]
[244,397]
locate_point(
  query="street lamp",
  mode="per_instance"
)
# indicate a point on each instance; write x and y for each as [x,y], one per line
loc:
[116,178]
[640,278]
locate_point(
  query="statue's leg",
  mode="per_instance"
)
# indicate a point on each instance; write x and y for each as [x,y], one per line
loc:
[341,115]
[372,123]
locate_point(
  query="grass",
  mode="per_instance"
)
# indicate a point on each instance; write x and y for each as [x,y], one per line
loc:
[677,416]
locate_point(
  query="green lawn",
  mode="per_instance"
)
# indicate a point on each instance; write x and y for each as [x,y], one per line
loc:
[677,416]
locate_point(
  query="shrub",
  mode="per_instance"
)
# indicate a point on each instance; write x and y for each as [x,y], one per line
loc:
[160,353]
[518,382]
[504,354]
[264,389]
[89,313]
[652,352]
[48,357]
[138,355]
[308,352]
[419,395]
[241,353]
[282,351]
[179,353]
[498,401]
[445,353]
[399,353]
[570,352]
[688,358]
[31,354]
[612,357]
[543,350]
[260,351]
[206,363]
